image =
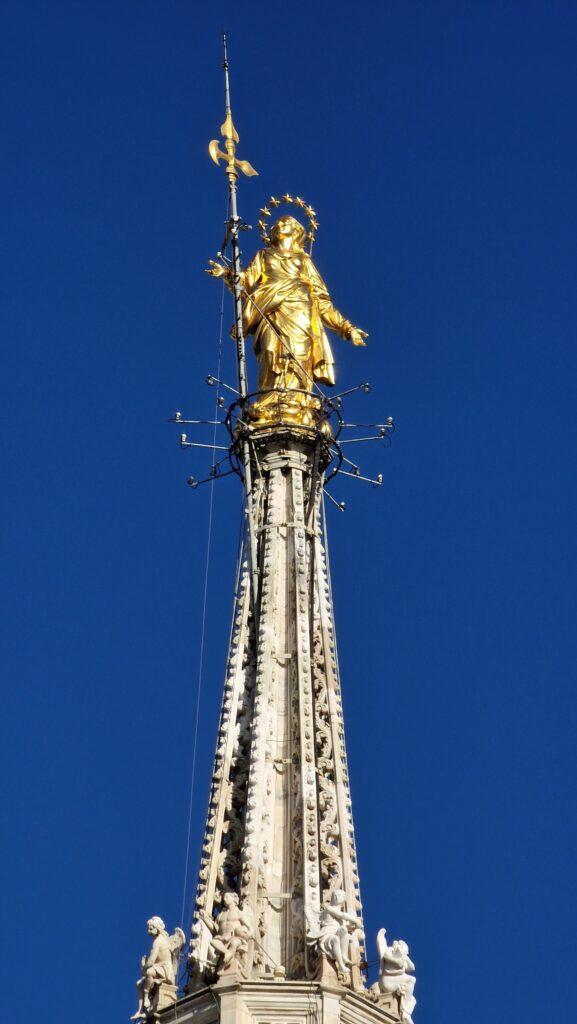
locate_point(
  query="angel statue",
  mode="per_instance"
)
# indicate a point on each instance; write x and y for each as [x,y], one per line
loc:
[159,967]
[231,930]
[335,932]
[394,978]
[286,307]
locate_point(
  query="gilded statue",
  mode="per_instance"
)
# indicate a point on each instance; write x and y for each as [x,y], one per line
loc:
[286,308]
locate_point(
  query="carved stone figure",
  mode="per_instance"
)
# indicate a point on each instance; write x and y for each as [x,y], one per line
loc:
[394,977]
[286,306]
[335,932]
[159,967]
[230,931]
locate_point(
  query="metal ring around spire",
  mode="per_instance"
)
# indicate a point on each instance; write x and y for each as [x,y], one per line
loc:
[313,432]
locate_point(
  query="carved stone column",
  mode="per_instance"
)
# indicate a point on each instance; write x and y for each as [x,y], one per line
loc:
[279,831]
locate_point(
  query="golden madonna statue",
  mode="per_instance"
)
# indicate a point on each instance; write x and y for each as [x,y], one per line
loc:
[286,307]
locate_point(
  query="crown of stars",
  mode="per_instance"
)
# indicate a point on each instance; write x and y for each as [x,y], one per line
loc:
[276,201]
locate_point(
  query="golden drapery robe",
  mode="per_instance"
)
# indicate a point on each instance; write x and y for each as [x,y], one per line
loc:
[286,306]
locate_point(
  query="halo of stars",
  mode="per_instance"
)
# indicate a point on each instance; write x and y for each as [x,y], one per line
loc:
[276,201]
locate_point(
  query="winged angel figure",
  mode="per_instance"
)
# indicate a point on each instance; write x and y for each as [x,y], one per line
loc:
[394,977]
[159,966]
[335,932]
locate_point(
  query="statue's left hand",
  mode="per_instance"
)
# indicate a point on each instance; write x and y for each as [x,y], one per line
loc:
[358,336]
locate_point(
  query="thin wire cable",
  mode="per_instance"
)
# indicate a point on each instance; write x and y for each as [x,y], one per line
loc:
[237,577]
[203,620]
[240,555]
[340,691]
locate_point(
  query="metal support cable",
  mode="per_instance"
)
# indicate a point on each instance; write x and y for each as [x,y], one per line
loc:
[338,675]
[240,557]
[204,607]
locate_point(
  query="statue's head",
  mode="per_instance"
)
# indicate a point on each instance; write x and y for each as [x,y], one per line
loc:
[155,926]
[287,227]
[337,897]
[230,899]
[400,946]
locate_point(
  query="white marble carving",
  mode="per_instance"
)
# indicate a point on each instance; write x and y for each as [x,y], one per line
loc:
[279,829]
[231,930]
[335,932]
[159,967]
[395,974]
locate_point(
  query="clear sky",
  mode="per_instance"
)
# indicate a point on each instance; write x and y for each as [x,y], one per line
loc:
[436,140]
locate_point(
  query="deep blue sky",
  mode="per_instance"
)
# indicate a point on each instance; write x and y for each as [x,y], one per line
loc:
[437,142]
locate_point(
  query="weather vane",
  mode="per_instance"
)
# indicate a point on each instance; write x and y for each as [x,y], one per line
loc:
[229,133]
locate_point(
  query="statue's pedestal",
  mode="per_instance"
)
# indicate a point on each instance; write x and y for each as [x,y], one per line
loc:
[164,995]
[232,1001]
[389,1001]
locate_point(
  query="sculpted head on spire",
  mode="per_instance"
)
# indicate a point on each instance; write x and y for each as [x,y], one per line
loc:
[230,899]
[338,897]
[155,926]
[287,231]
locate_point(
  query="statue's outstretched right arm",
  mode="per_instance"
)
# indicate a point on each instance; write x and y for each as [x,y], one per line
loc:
[248,277]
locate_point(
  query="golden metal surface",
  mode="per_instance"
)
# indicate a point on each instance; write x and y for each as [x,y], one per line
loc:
[231,139]
[297,201]
[286,307]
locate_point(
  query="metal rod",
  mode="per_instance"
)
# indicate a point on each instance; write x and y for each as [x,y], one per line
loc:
[232,176]
[359,387]
[210,423]
[367,479]
[340,504]
[210,380]
[240,420]
[344,458]
[194,483]
[184,443]
[383,426]
[355,440]
[312,496]
[214,468]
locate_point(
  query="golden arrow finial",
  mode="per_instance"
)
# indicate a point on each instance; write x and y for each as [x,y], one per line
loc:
[234,278]
[230,135]
[233,164]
